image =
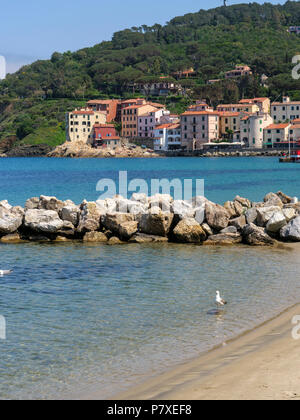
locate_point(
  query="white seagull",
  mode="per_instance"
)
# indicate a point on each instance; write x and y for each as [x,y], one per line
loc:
[5,272]
[219,300]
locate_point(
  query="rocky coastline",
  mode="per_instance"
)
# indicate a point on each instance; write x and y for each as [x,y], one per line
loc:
[158,218]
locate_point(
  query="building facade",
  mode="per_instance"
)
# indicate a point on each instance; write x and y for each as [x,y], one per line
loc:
[167,137]
[130,119]
[276,135]
[252,129]
[112,107]
[198,127]
[229,124]
[80,124]
[286,110]
[148,121]
[239,71]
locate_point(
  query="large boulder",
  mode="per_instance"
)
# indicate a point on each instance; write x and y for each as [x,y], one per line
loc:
[272,199]
[224,239]
[156,222]
[289,214]
[140,197]
[284,198]
[189,231]
[127,230]
[264,214]
[232,208]
[89,218]
[32,203]
[243,201]
[50,203]
[163,201]
[251,215]
[182,209]
[216,216]
[46,221]
[229,229]
[11,218]
[238,222]
[291,232]
[276,222]
[255,235]
[70,214]
[113,221]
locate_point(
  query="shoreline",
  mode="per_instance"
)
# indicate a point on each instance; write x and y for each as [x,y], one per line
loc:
[260,364]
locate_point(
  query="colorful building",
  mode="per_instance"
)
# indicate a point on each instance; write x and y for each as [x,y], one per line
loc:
[148,121]
[264,104]
[229,124]
[276,135]
[112,107]
[252,129]
[167,137]
[130,118]
[80,123]
[198,127]
[239,71]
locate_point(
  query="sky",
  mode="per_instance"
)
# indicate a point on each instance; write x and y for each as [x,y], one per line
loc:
[34,29]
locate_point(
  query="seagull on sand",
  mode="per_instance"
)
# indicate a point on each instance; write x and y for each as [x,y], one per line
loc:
[219,300]
[5,272]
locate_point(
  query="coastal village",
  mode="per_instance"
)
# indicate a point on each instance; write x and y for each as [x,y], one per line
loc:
[252,123]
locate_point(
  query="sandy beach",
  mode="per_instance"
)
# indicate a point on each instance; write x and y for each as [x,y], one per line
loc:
[262,364]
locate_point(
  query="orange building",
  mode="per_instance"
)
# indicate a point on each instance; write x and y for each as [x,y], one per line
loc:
[110,106]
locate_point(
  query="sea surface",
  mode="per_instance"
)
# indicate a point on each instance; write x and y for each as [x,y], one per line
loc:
[84,318]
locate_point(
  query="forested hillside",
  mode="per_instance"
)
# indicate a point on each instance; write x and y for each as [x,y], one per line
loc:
[212,42]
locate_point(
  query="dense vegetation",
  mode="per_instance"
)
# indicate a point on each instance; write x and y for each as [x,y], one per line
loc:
[211,42]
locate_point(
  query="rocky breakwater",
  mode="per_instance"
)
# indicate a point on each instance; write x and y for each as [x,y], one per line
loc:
[83,150]
[153,219]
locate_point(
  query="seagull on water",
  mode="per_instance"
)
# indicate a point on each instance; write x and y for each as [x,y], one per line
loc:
[219,300]
[5,272]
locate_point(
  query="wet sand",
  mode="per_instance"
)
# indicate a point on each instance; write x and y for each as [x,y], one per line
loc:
[261,364]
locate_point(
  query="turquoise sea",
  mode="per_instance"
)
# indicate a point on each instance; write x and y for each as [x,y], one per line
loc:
[82,318]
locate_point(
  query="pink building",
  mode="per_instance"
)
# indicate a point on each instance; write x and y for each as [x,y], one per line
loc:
[199,127]
[148,121]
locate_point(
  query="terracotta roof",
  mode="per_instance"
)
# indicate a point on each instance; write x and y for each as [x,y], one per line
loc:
[82,112]
[228,114]
[295,126]
[169,126]
[110,138]
[277,126]
[98,125]
[200,113]
[286,103]
[102,101]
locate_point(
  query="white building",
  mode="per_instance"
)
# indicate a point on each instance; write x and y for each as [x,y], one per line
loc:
[276,135]
[167,137]
[252,129]
[286,110]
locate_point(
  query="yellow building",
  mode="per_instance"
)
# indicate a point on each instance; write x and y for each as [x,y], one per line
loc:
[130,117]
[229,122]
[264,104]
[80,123]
